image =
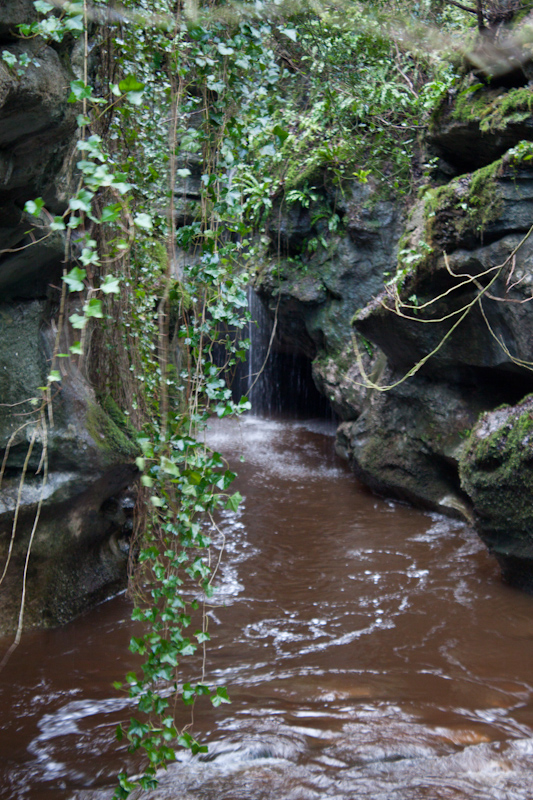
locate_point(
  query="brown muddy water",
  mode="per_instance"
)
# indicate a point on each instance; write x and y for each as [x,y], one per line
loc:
[370,651]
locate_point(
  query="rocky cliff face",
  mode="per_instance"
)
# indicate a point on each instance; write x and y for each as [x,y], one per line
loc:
[315,293]
[453,281]
[80,550]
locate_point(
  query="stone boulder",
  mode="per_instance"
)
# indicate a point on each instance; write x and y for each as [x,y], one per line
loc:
[497,474]
[456,319]
[13,13]
[406,442]
[459,259]
[83,493]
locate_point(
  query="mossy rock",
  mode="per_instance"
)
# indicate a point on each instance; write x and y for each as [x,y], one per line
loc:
[465,207]
[479,123]
[112,431]
[493,109]
[497,473]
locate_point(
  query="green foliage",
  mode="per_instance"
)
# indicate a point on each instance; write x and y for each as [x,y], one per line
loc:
[520,153]
[410,256]
[159,290]
[353,103]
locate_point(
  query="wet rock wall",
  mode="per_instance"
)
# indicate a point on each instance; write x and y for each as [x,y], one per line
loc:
[448,275]
[80,549]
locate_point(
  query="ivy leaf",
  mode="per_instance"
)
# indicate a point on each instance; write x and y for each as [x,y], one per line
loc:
[135,98]
[143,221]
[130,84]
[34,207]
[169,467]
[110,285]
[54,376]
[94,308]
[137,728]
[220,696]
[74,279]
[82,201]
[290,32]
[9,58]
[58,224]
[185,740]
[120,185]
[77,322]
[280,132]
[225,480]
[234,501]
[79,91]
[146,446]
[42,7]
[75,348]
[268,150]
[89,256]
[224,50]
[188,695]
[110,213]
[125,784]
[74,23]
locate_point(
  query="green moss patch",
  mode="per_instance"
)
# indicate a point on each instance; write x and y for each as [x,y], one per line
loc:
[112,431]
[466,204]
[493,109]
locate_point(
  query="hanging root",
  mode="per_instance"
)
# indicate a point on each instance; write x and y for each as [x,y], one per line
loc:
[44,466]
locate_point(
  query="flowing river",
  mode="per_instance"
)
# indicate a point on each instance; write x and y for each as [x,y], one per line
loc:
[370,651]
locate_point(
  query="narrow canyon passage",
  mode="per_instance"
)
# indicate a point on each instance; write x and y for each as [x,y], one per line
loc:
[370,651]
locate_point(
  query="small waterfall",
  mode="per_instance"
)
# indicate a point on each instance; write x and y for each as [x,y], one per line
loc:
[257,383]
[275,380]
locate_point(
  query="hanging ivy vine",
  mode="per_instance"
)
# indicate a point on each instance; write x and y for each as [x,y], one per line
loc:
[172,109]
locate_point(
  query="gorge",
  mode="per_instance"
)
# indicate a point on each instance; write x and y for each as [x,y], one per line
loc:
[397,313]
